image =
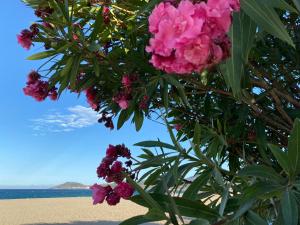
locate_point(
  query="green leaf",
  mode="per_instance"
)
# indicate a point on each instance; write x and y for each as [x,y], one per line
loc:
[297,4]
[98,25]
[74,71]
[281,157]
[294,148]
[289,208]
[192,191]
[199,222]
[46,54]
[280,4]
[151,144]
[123,117]
[225,196]
[186,207]
[138,119]
[96,67]
[147,198]
[66,70]
[179,88]
[242,35]
[151,216]
[61,6]
[42,55]
[165,95]
[266,18]
[254,219]
[244,208]
[261,172]
[197,134]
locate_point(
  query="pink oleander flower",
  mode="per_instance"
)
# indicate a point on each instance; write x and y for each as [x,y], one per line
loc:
[126,81]
[39,89]
[124,190]
[122,99]
[91,95]
[178,127]
[113,198]
[25,39]
[117,167]
[190,37]
[53,95]
[123,151]
[99,193]
[75,37]
[111,151]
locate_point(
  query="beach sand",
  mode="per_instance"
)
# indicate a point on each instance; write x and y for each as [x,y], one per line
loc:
[65,211]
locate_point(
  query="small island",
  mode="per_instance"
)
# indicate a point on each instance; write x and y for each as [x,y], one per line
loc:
[71,185]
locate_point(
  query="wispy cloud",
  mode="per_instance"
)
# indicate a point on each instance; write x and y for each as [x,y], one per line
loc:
[76,117]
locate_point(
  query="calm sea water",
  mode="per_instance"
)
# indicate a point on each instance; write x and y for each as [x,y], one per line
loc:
[42,193]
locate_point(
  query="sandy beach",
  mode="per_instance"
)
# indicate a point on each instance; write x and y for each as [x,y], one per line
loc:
[65,211]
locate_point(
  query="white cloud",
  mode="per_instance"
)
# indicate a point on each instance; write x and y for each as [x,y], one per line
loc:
[77,117]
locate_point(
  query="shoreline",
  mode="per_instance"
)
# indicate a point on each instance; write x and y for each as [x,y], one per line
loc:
[65,211]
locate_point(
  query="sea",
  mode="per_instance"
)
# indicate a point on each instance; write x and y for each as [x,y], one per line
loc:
[43,193]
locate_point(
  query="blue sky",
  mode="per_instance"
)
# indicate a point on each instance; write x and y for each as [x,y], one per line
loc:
[36,144]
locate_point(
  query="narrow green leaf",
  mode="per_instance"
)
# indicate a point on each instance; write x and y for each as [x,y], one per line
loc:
[186,207]
[61,6]
[145,196]
[197,134]
[280,4]
[151,144]
[192,191]
[262,172]
[267,18]
[149,217]
[297,4]
[123,117]
[242,35]
[289,208]
[225,196]
[98,25]
[66,70]
[96,67]
[244,208]
[42,55]
[281,157]
[199,222]
[294,148]
[179,87]
[74,71]
[138,119]
[254,219]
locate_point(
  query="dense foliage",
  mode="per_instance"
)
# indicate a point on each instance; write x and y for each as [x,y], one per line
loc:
[225,81]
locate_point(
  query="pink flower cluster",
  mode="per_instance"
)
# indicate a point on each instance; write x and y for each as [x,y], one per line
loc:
[26,36]
[91,95]
[190,37]
[39,89]
[112,196]
[124,96]
[112,171]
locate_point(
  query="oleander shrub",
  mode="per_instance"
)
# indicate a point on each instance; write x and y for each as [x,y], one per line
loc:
[223,76]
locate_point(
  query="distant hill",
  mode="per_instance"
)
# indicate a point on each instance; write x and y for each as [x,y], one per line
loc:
[71,185]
